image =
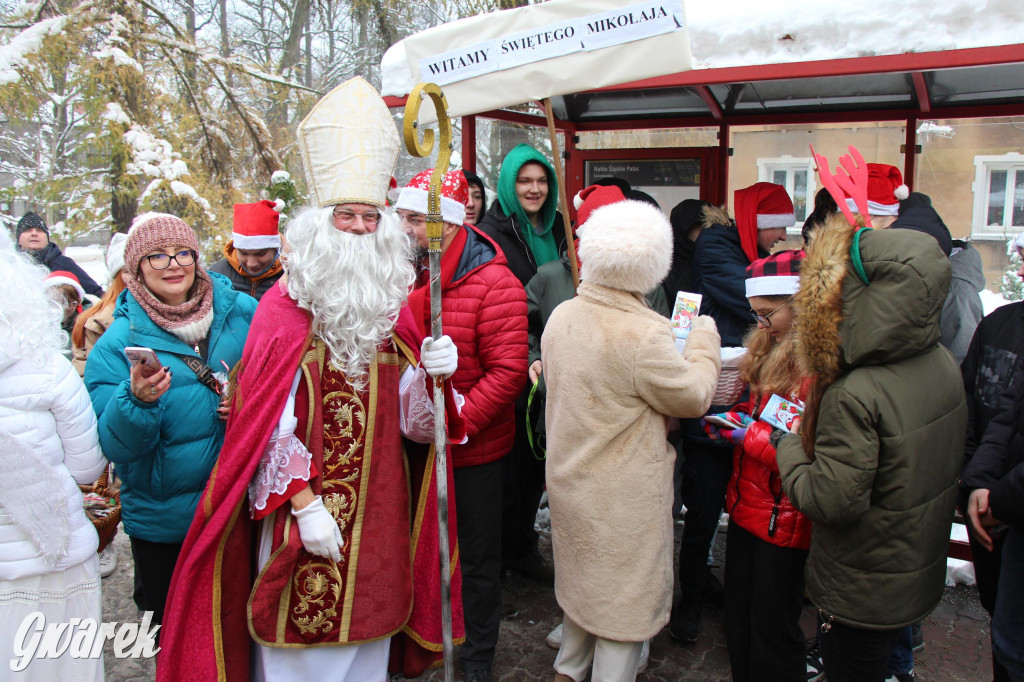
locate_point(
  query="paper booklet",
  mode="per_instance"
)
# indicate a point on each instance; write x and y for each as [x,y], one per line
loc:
[781,412]
[686,308]
[723,420]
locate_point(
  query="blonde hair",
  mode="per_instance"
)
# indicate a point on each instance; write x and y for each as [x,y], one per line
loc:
[771,366]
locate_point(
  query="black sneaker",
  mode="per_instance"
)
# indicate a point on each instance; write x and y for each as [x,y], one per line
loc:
[917,635]
[478,675]
[815,668]
[534,567]
[685,624]
[902,677]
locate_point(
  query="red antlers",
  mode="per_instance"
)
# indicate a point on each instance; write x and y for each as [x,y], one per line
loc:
[849,181]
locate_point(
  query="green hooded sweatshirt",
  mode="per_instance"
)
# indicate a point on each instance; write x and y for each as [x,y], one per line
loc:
[541,244]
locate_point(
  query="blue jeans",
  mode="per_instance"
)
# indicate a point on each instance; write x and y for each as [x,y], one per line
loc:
[1008,619]
[901,660]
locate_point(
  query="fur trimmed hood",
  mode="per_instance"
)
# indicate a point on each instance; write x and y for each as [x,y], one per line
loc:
[627,246]
[844,323]
[716,215]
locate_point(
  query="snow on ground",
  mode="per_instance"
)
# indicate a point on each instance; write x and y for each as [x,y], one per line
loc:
[958,571]
[744,32]
[92,259]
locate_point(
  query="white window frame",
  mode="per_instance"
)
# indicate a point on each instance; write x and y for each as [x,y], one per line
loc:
[766,168]
[983,167]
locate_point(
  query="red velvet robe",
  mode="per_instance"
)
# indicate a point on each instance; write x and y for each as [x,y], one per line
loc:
[386,589]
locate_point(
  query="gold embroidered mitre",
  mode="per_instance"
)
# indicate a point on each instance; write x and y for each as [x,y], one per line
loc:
[349,145]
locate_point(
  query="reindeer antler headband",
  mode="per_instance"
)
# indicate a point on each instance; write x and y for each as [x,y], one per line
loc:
[850,180]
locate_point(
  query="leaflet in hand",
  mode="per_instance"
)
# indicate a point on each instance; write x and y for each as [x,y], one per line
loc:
[724,420]
[781,412]
[686,308]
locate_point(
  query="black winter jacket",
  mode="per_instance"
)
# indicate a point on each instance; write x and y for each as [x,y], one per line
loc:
[243,283]
[998,463]
[509,238]
[995,354]
[720,275]
[52,257]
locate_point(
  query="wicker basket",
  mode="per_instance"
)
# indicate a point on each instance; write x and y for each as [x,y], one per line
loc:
[106,526]
[730,386]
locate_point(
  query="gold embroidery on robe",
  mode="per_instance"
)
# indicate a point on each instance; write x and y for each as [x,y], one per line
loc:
[320,585]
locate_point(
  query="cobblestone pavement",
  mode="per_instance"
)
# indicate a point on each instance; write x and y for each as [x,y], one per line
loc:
[956,635]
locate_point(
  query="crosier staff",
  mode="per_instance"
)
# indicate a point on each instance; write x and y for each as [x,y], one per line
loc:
[422,92]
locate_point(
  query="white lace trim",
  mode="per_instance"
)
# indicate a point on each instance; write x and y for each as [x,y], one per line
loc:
[29,596]
[285,460]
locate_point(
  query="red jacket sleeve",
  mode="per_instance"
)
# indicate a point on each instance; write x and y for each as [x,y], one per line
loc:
[502,348]
[757,444]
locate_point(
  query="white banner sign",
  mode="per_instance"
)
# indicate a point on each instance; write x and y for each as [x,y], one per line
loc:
[636,22]
[552,48]
[552,40]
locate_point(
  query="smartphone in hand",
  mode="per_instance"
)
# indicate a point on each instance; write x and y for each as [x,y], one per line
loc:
[140,355]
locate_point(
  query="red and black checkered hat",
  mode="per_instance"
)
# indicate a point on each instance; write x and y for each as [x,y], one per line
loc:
[776,275]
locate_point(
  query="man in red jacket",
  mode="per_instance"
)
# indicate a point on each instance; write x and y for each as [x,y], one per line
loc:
[484,312]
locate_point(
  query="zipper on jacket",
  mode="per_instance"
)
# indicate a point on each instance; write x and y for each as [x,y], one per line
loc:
[826,621]
[526,247]
[739,472]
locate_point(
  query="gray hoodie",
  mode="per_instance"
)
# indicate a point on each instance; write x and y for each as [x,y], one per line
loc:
[962,310]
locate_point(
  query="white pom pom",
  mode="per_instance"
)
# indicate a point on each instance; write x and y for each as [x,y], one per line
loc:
[577,200]
[279,205]
[902,192]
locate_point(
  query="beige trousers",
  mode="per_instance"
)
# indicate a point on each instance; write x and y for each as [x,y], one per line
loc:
[613,661]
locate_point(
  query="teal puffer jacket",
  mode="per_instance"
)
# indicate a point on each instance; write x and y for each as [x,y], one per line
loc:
[164,451]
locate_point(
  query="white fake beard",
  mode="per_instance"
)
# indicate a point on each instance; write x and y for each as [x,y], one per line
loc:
[354,285]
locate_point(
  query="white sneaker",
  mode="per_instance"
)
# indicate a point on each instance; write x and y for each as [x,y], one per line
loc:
[645,654]
[108,561]
[554,638]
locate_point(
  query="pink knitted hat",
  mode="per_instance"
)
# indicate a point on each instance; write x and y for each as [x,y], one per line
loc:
[154,231]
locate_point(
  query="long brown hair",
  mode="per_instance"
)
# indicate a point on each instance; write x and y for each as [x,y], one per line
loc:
[770,365]
[108,300]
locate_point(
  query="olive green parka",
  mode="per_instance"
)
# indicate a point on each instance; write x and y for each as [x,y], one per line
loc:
[880,484]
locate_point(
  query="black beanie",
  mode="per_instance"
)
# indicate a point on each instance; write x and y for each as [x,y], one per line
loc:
[30,221]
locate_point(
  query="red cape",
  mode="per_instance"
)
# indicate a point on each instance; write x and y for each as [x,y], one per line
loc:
[205,633]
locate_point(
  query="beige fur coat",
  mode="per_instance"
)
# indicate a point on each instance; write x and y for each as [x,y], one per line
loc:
[613,376]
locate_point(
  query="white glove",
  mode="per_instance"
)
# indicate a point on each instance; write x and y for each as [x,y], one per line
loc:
[318,530]
[439,357]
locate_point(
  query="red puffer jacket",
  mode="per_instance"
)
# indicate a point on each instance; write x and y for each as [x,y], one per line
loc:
[483,310]
[755,496]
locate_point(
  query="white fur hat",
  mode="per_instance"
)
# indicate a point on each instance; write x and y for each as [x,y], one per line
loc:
[626,245]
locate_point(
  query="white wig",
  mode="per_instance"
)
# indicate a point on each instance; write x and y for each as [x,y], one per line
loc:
[29,319]
[354,285]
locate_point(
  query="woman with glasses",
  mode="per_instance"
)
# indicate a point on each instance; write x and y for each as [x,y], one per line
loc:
[163,425]
[768,538]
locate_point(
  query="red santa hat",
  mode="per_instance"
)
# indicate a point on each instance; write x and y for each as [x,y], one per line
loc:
[59,277]
[885,190]
[393,191]
[256,225]
[589,199]
[776,275]
[762,206]
[454,195]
